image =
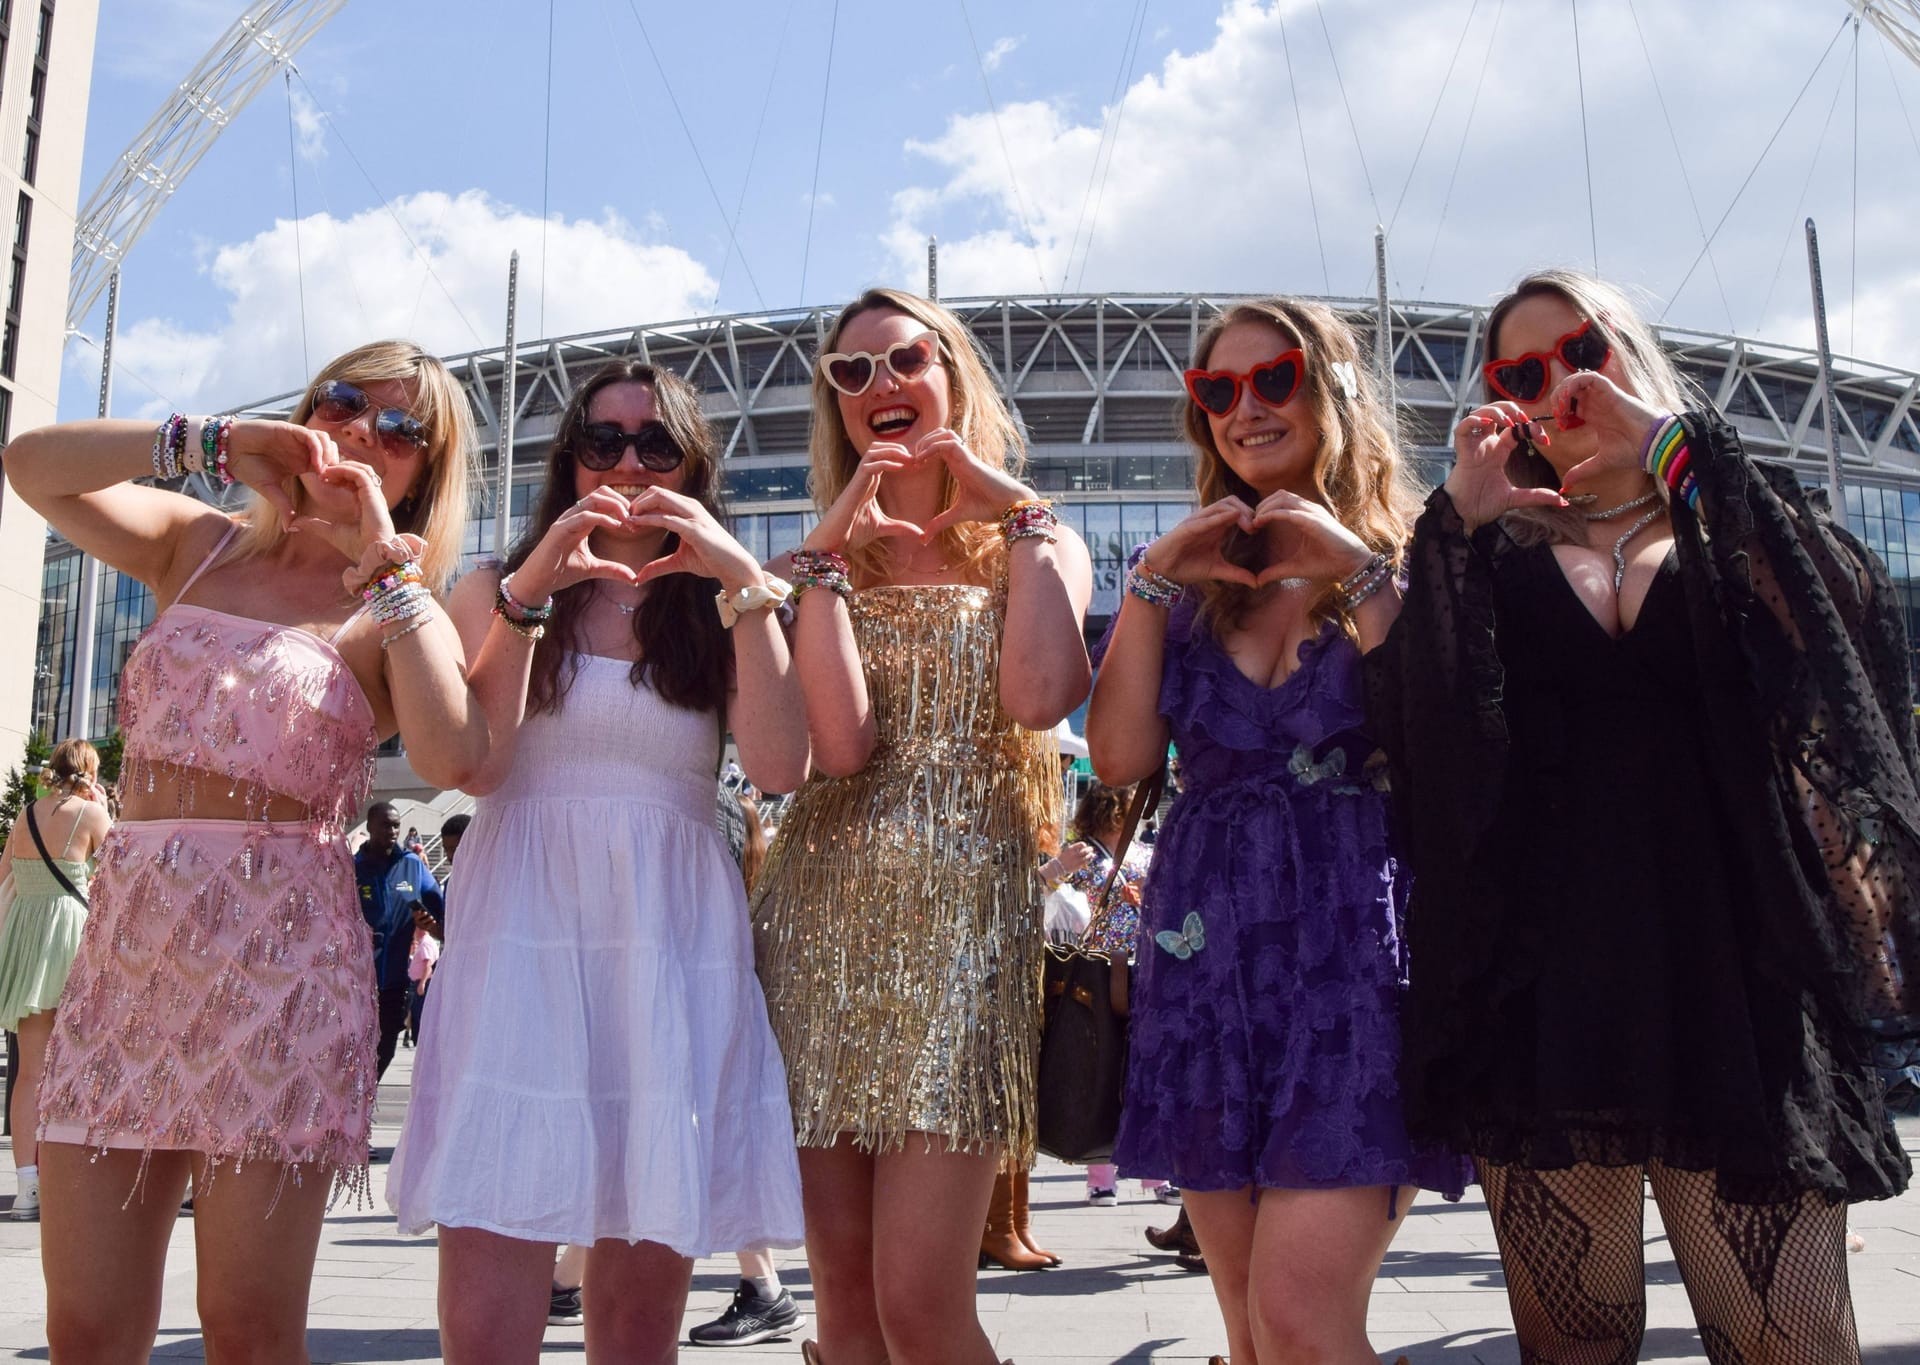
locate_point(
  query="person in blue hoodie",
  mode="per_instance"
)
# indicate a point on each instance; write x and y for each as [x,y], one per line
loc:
[393,881]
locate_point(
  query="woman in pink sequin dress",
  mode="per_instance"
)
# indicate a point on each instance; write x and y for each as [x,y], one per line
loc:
[218,1020]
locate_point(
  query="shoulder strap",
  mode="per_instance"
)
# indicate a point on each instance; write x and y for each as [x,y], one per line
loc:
[73,829]
[33,828]
[232,530]
[348,624]
[1146,796]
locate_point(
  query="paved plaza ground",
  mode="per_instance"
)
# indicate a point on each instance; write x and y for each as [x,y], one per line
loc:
[1439,1298]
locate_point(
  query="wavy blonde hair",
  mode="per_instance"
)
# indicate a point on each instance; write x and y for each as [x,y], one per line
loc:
[1358,473]
[436,508]
[976,413]
[1644,364]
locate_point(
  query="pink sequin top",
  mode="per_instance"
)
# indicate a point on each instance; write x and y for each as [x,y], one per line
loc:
[270,709]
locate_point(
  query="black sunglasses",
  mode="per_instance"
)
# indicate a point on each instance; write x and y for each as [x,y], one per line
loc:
[337,403]
[602,444]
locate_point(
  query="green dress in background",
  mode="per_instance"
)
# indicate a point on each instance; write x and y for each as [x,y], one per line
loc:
[42,934]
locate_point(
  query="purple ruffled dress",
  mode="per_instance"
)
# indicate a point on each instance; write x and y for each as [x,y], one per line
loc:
[1267,1057]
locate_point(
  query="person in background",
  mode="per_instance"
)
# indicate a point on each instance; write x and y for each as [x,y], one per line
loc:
[452,830]
[392,881]
[42,932]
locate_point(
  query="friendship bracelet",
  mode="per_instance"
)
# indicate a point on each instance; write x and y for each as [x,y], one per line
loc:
[1669,458]
[1027,519]
[1373,577]
[1362,575]
[504,598]
[401,604]
[214,435]
[1151,587]
[169,447]
[820,569]
[526,630]
[424,618]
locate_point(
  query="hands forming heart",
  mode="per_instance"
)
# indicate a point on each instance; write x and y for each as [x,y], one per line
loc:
[1314,545]
[982,492]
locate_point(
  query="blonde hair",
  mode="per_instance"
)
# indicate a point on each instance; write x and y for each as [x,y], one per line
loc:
[74,761]
[1646,367]
[976,413]
[435,509]
[1358,474]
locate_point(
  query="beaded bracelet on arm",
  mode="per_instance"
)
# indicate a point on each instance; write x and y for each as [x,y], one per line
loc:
[504,599]
[1155,589]
[215,435]
[1669,458]
[1364,582]
[820,569]
[170,448]
[1030,518]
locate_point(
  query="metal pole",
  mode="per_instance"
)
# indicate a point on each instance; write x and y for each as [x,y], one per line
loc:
[1836,490]
[1383,319]
[80,716]
[503,454]
[933,268]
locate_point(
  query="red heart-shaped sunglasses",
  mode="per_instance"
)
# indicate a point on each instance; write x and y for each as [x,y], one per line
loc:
[1524,378]
[1274,383]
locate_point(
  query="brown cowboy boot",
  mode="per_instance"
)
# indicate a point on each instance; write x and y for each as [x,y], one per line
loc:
[999,1245]
[1023,1220]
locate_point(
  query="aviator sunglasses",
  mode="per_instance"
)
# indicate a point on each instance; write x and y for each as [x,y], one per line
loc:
[602,444]
[400,434]
[1274,383]
[852,372]
[1524,378]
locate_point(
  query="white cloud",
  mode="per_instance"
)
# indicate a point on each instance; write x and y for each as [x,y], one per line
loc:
[363,281]
[1000,51]
[1206,190]
[309,128]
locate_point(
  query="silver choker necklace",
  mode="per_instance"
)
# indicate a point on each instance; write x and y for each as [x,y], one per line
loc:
[1620,546]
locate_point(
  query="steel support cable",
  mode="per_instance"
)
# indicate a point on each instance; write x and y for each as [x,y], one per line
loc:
[1758,161]
[353,283]
[1300,127]
[698,160]
[1110,118]
[1794,228]
[753,151]
[1459,155]
[1113,146]
[1013,181]
[819,146]
[1586,152]
[1853,212]
[1433,114]
[1900,99]
[387,204]
[299,264]
[1673,136]
[1341,81]
[120,368]
[546,171]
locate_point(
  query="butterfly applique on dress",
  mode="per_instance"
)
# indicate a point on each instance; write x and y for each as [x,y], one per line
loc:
[1187,940]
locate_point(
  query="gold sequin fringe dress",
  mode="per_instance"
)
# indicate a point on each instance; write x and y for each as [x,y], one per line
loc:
[897,924]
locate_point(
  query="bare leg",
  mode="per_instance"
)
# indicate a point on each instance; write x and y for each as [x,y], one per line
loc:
[254,1269]
[1224,1221]
[929,1204]
[91,1236]
[1315,1256]
[494,1293]
[636,1296]
[836,1186]
[35,1031]
[1768,1282]
[570,1270]
[1570,1246]
[756,1263]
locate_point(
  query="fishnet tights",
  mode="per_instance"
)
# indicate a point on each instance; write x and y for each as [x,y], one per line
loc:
[1768,1282]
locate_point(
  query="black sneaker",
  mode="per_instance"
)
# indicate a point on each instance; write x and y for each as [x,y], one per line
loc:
[564,1308]
[750,1318]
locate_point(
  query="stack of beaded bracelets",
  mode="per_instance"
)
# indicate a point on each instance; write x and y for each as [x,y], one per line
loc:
[1155,589]
[1669,459]
[1030,517]
[820,569]
[1364,582]
[398,596]
[521,619]
[173,456]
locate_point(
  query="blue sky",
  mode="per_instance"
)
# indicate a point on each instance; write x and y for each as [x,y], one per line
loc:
[446,106]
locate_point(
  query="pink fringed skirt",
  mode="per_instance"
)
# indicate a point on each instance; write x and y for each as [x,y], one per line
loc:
[221,1002]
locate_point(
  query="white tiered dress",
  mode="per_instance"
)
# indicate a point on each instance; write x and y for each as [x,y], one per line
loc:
[595,1060]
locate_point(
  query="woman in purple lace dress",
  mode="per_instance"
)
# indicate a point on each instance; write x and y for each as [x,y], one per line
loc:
[1270,968]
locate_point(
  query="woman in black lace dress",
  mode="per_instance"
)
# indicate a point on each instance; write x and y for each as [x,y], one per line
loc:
[1653,750]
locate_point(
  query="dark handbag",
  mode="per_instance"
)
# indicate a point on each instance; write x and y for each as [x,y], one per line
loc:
[33,828]
[1083,1037]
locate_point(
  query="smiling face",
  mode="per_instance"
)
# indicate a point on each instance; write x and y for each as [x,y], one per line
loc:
[628,407]
[1536,323]
[892,409]
[400,464]
[1268,448]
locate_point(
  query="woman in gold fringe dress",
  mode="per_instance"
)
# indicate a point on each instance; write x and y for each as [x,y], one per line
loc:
[897,923]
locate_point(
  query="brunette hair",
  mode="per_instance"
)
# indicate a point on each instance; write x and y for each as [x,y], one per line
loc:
[975,412]
[1101,808]
[685,653]
[1649,373]
[753,853]
[1358,474]
[435,509]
